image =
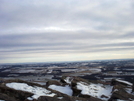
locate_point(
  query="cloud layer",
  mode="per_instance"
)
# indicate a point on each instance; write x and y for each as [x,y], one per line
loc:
[66,30]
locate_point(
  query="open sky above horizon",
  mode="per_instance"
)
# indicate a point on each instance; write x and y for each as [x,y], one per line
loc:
[66,30]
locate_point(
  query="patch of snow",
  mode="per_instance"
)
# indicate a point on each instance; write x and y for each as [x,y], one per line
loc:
[115,90]
[66,90]
[26,71]
[37,91]
[30,98]
[68,80]
[68,70]
[126,82]
[95,90]
[60,97]
[2,100]
[50,71]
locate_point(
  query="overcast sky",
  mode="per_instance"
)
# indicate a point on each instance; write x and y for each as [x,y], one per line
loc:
[66,30]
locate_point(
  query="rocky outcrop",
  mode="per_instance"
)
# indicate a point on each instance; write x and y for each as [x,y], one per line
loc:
[120,82]
[122,95]
[133,88]
[119,89]
[10,94]
[76,91]
[53,82]
[63,98]
[6,97]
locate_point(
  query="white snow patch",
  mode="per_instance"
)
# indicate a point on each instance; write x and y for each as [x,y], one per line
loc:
[66,90]
[95,90]
[126,82]
[26,71]
[68,80]
[30,98]
[115,90]
[60,97]
[69,70]
[37,91]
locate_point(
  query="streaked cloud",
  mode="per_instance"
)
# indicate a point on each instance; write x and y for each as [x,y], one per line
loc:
[65,30]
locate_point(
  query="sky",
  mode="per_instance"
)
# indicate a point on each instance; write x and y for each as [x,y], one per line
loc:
[66,30]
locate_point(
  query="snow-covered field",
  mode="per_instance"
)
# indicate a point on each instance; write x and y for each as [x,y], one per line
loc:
[69,70]
[37,91]
[66,90]
[95,70]
[95,90]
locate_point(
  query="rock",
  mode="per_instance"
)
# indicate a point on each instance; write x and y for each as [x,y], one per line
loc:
[120,95]
[84,96]
[67,80]
[76,92]
[62,80]
[103,96]
[6,97]
[53,82]
[15,94]
[120,82]
[67,98]
[133,88]
[121,90]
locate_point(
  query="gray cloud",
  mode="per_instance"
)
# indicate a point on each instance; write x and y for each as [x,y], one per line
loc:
[66,27]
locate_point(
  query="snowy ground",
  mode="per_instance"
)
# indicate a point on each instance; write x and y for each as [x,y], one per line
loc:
[37,91]
[66,90]
[95,90]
